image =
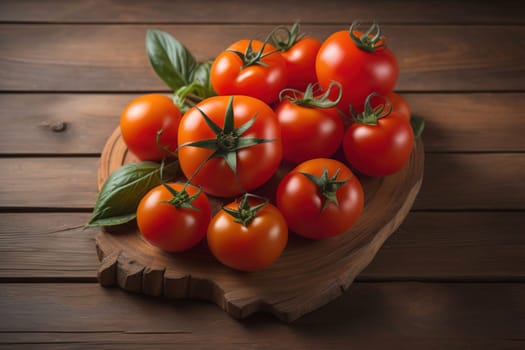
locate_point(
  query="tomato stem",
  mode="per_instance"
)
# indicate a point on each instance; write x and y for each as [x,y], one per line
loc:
[283,38]
[327,186]
[371,115]
[311,96]
[162,147]
[251,57]
[371,40]
[245,213]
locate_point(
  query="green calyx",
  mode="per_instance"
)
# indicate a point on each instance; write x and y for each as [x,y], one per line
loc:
[245,214]
[327,185]
[311,97]
[371,115]
[228,139]
[182,199]
[283,38]
[251,57]
[371,40]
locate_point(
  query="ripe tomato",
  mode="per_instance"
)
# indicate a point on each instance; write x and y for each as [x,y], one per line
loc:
[299,52]
[311,127]
[378,145]
[143,118]
[300,62]
[362,64]
[237,149]
[252,245]
[399,104]
[320,198]
[174,227]
[246,68]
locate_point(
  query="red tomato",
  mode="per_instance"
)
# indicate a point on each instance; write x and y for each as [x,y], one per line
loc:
[246,68]
[324,209]
[361,71]
[143,118]
[308,131]
[399,104]
[300,63]
[172,228]
[254,164]
[382,149]
[252,246]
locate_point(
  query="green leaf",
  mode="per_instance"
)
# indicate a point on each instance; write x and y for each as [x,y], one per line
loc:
[120,195]
[418,125]
[201,77]
[171,60]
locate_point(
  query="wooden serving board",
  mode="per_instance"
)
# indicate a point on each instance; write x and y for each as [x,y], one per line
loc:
[308,275]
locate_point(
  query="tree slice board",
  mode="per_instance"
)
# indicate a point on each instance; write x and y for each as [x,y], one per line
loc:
[309,274]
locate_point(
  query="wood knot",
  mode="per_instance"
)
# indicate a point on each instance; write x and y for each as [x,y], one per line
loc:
[55,126]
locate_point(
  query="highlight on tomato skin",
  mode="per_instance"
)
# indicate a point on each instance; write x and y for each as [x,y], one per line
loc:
[251,246]
[320,198]
[143,118]
[171,228]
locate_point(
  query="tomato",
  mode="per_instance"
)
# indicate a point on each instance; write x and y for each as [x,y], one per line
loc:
[300,62]
[252,245]
[143,118]
[311,127]
[399,104]
[361,64]
[241,151]
[246,68]
[299,53]
[173,227]
[320,198]
[378,145]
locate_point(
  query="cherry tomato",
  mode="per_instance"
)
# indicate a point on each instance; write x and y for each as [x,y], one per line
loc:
[143,118]
[320,198]
[381,149]
[399,104]
[250,246]
[172,228]
[255,152]
[361,65]
[246,68]
[309,130]
[300,63]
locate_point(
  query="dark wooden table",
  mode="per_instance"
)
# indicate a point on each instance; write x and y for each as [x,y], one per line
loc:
[453,276]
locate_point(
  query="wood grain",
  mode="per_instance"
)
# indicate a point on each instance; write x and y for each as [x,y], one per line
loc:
[469,122]
[112,58]
[471,246]
[270,11]
[306,276]
[369,315]
[453,181]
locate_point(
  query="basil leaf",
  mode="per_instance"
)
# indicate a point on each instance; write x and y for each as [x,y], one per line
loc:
[172,62]
[120,195]
[201,77]
[418,125]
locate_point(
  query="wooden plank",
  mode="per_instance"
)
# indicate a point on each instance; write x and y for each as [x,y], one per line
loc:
[455,122]
[474,246]
[112,58]
[48,182]
[473,181]
[47,245]
[369,315]
[452,181]
[271,11]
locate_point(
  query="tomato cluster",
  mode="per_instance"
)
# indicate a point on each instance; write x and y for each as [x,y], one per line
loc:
[289,99]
